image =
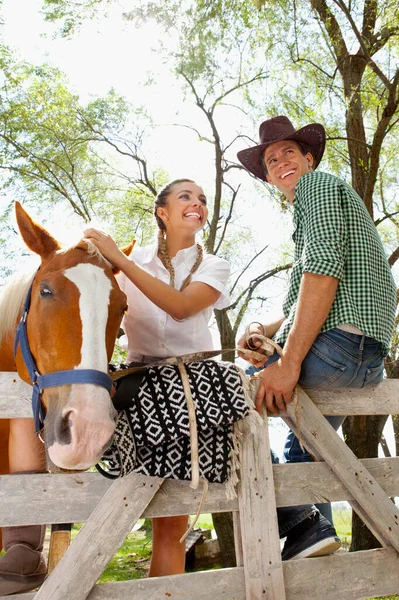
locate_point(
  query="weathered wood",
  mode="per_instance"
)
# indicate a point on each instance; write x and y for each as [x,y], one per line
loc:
[72,498]
[342,576]
[100,537]
[257,509]
[368,498]
[382,399]
[222,584]
[15,397]
[308,483]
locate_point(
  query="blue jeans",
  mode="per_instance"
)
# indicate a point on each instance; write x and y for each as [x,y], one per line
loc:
[337,359]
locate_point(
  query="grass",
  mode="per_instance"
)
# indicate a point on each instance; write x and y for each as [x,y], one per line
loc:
[133,558]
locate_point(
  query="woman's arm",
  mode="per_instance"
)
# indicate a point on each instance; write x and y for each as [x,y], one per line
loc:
[179,305]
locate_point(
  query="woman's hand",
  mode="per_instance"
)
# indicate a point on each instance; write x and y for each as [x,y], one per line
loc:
[106,245]
[255,344]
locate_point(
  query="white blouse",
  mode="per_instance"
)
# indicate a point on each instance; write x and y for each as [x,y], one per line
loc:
[150,331]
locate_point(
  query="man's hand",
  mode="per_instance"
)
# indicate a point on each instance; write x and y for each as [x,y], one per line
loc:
[278,383]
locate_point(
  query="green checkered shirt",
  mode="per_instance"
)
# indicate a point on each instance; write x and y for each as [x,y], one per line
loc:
[334,235]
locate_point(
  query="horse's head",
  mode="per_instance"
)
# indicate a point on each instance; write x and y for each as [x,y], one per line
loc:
[75,313]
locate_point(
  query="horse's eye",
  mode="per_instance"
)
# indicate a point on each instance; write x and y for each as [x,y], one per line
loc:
[45,293]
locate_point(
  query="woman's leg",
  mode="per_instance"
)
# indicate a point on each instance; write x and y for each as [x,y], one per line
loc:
[168,554]
[23,566]
[25,450]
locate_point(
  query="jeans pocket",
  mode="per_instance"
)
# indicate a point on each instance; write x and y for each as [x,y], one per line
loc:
[322,367]
[374,374]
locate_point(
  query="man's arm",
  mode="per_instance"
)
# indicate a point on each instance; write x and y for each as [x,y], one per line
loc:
[316,296]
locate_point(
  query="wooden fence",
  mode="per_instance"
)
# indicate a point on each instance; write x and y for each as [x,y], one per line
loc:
[110,509]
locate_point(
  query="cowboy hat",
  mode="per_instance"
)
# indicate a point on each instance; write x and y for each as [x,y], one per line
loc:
[277,129]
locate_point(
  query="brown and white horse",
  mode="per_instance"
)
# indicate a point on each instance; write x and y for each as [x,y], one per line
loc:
[75,312]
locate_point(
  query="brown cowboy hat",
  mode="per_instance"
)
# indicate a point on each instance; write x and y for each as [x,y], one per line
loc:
[275,130]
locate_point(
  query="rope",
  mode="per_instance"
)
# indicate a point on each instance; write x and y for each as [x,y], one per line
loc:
[183,358]
[269,346]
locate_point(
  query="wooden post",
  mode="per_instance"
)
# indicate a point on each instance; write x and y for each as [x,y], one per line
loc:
[100,537]
[258,516]
[60,540]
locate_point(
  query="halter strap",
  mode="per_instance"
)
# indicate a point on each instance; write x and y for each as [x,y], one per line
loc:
[54,379]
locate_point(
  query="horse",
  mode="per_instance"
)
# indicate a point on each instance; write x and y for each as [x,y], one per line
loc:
[67,316]
[76,308]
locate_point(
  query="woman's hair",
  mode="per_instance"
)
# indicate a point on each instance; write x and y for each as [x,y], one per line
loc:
[162,200]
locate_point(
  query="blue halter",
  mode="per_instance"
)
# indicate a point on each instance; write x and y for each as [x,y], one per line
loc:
[41,382]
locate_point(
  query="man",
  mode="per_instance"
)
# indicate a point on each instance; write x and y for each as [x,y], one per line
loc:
[340,307]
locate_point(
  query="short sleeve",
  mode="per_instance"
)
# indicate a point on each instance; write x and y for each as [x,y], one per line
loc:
[325,230]
[215,271]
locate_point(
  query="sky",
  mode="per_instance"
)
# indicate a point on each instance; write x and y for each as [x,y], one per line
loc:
[113,53]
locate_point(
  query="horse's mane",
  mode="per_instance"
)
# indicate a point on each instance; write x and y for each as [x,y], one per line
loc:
[14,293]
[11,300]
[89,247]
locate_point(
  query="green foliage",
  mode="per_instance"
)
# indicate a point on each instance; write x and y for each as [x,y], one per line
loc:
[54,148]
[70,15]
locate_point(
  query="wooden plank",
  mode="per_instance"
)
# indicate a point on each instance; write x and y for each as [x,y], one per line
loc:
[100,537]
[222,584]
[341,576]
[368,498]
[317,483]
[382,399]
[258,517]
[63,498]
[66,498]
[15,397]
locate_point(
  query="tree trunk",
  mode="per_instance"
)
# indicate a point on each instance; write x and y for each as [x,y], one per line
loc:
[223,522]
[362,435]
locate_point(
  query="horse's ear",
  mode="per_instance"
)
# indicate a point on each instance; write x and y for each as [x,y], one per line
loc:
[34,235]
[126,250]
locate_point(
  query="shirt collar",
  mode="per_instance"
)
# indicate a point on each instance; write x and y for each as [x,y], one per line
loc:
[185,255]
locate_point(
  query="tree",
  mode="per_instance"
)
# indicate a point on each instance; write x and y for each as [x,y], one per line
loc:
[215,86]
[331,62]
[55,148]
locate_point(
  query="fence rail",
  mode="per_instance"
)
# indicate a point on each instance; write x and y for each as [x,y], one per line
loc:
[88,497]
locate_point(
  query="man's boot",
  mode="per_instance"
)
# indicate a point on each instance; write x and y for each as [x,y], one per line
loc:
[23,566]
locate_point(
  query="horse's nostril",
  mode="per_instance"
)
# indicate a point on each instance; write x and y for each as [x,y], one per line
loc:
[64,429]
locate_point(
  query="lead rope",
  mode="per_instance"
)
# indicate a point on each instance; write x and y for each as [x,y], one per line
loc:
[269,346]
[195,474]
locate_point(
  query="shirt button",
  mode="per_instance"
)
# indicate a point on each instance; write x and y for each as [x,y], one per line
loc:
[162,322]
[162,345]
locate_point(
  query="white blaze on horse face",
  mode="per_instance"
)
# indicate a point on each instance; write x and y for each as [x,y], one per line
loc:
[95,289]
[89,410]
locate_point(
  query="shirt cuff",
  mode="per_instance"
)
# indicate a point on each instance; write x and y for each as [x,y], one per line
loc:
[324,267]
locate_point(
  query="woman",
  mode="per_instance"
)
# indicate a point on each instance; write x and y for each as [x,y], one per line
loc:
[172,289]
